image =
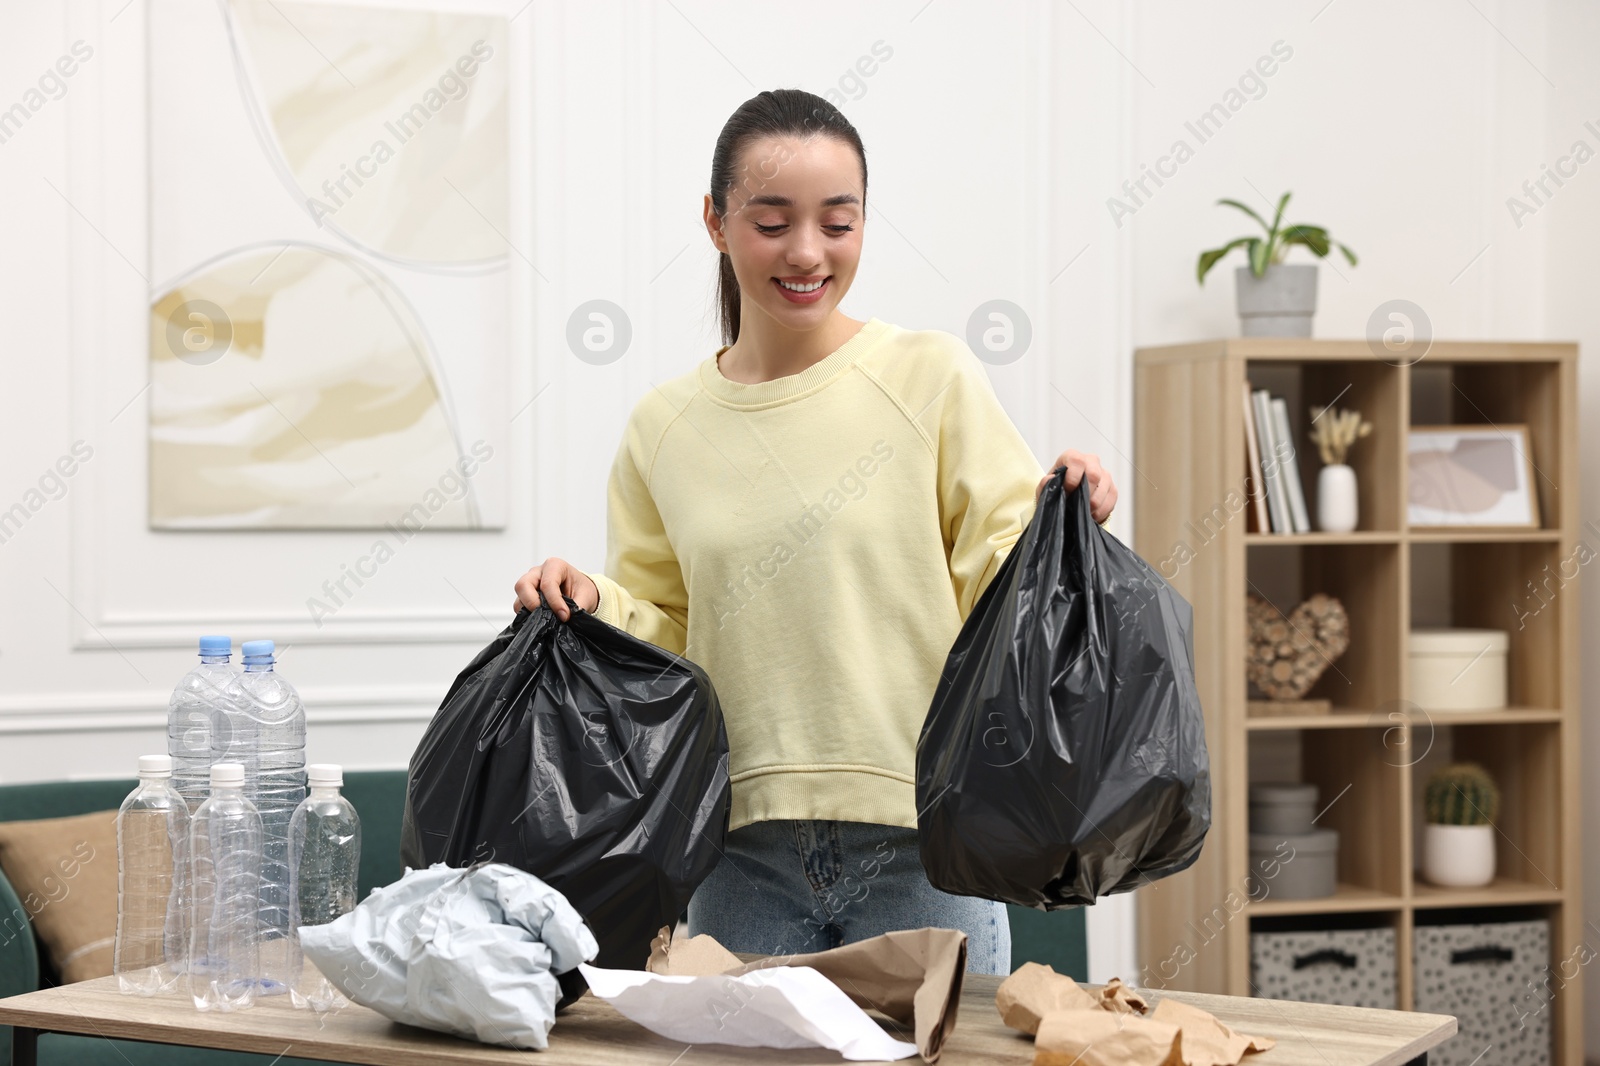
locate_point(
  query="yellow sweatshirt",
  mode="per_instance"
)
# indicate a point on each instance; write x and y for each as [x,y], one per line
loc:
[815,542]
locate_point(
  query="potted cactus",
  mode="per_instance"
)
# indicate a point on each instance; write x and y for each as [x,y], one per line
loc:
[1462,803]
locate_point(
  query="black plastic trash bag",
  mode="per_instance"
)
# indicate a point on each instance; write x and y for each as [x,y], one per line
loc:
[592,759]
[1064,755]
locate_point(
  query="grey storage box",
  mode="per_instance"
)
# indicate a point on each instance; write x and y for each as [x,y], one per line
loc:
[1282,808]
[1493,977]
[1353,967]
[1293,865]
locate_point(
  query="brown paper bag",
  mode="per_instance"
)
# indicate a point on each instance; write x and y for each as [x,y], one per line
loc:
[912,976]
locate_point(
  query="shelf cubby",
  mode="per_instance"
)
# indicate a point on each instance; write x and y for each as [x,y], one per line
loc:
[1357,796]
[1492,392]
[1373,388]
[1365,578]
[1525,761]
[1507,585]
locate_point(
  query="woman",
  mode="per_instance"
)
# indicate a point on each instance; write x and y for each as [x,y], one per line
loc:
[810,515]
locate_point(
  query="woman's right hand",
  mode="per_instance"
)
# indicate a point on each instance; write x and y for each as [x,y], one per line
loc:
[556,578]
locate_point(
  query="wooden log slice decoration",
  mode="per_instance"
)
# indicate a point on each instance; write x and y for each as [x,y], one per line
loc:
[1285,656]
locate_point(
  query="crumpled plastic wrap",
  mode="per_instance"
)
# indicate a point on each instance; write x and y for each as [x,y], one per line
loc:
[474,952]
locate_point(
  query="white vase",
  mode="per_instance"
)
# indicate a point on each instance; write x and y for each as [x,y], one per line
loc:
[1336,498]
[1458,856]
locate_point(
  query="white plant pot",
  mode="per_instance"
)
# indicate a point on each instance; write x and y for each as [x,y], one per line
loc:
[1458,856]
[1336,498]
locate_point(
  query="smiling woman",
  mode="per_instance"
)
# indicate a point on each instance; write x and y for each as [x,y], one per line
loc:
[823,634]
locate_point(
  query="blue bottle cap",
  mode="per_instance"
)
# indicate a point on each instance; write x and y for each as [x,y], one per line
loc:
[214,645]
[257,649]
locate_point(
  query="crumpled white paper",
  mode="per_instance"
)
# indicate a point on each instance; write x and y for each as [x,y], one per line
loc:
[777,1007]
[472,952]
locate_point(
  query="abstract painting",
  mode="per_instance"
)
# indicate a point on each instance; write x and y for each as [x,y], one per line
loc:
[329,313]
[1470,476]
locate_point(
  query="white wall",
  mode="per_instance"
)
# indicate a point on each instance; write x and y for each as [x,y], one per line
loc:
[995,136]
[621,104]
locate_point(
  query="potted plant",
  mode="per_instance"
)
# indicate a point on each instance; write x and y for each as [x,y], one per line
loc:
[1462,803]
[1275,299]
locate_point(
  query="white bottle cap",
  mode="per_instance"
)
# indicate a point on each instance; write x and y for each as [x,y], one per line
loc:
[326,774]
[155,766]
[227,774]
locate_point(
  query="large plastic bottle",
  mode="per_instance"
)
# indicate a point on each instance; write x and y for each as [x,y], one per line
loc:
[152,944]
[225,850]
[190,716]
[324,860]
[263,727]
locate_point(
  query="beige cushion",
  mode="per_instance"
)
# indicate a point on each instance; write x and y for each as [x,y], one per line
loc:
[65,872]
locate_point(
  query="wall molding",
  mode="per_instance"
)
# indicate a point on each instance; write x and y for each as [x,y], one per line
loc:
[177,630]
[138,711]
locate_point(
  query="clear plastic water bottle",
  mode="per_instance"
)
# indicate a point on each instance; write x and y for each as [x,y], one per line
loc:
[152,942]
[225,863]
[263,727]
[324,860]
[190,716]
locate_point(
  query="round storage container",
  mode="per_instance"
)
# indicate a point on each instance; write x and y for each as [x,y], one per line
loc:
[1458,669]
[1282,808]
[1293,865]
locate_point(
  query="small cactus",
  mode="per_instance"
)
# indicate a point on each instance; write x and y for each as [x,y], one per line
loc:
[1462,793]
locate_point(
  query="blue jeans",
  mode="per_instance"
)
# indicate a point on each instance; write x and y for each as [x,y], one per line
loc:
[785,887]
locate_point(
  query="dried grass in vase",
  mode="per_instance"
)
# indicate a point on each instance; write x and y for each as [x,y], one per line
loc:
[1333,431]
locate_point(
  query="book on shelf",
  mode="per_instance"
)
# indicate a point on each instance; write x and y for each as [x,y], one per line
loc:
[1271,476]
[1253,482]
[1284,439]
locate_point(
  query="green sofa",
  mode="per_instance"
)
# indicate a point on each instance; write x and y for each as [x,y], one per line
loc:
[379,797]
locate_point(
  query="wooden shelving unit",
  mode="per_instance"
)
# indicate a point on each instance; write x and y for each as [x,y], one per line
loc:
[1370,755]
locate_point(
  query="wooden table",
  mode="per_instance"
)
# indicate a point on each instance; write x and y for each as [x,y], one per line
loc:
[591,1032]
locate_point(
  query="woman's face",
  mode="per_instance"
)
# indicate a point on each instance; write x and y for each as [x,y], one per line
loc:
[794,215]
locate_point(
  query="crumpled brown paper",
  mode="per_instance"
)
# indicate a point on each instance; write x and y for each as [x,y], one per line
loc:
[1105,1038]
[912,976]
[1206,1040]
[1033,991]
[1073,1025]
[1119,998]
[695,956]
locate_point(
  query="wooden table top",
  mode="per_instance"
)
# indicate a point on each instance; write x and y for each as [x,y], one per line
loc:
[591,1033]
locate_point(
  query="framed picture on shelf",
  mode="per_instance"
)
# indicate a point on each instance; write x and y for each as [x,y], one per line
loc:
[1470,476]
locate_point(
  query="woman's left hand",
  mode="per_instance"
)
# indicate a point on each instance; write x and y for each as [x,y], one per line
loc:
[1102,492]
